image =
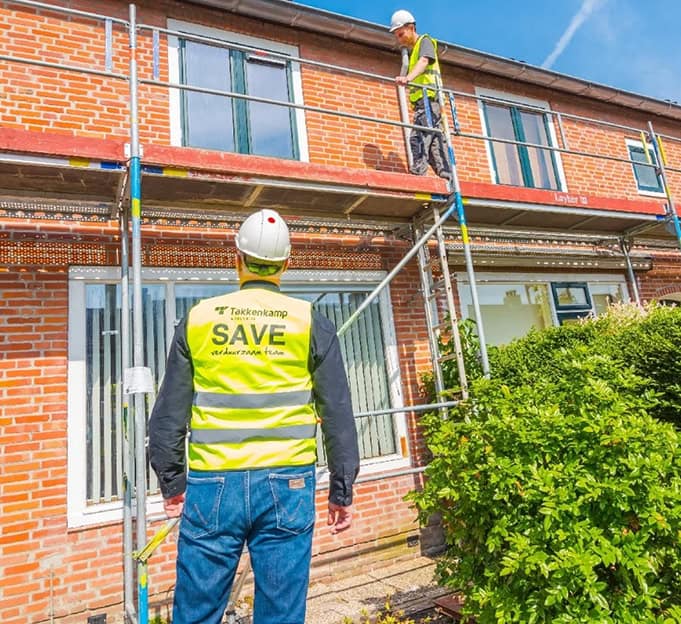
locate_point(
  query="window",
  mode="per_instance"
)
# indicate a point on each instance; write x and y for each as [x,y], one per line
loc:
[103,385]
[511,305]
[571,300]
[510,309]
[515,164]
[645,175]
[95,368]
[232,124]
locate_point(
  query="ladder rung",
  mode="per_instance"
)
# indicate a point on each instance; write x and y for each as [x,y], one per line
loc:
[447,358]
[438,285]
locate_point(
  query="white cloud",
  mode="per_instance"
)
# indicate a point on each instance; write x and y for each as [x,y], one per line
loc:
[585,11]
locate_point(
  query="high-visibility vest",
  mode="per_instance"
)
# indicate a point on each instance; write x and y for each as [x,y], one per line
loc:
[429,77]
[252,403]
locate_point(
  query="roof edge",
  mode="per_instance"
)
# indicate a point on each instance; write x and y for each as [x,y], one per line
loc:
[325,22]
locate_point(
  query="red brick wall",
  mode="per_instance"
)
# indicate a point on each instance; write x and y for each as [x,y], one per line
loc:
[82,568]
[70,103]
[42,98]
[663,280]
[33,311]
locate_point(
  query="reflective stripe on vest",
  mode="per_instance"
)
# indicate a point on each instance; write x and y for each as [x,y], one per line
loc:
[252,403]
[429,77]
[215,436]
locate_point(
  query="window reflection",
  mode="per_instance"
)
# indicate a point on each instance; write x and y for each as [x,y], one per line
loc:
[270,124]
[500,125]
[516,163]
[235,124]
[208,118]
[510,310]
[541,165]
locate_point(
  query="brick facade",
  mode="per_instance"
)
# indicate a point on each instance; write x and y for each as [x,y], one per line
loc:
[52,570]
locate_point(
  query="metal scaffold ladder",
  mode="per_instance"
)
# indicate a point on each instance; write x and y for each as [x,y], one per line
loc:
[438,317]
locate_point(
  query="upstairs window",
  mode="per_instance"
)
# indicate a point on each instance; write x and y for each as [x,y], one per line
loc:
[233,124]
[646,178]
[518,164]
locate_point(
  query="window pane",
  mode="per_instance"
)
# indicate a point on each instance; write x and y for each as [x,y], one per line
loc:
[104,412]
[187,295]
[541,161]
[646,178]
[207,118]
[510,310]
[571,296]
[270,125]
[104,393]
[363,351]
[500,125]
[605,295]
[362,346]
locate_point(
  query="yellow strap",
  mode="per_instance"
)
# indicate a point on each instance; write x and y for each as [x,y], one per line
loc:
[663,154]
[146,552]
[644,143]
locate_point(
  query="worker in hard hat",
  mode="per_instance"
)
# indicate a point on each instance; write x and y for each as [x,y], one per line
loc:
[250,374]
[423,74]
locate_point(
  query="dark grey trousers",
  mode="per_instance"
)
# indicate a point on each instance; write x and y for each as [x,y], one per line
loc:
[428,147]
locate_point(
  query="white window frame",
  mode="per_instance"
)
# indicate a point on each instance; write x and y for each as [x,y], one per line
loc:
[639,145]
[78,512]
[540,278]
[511,99]
[239,39]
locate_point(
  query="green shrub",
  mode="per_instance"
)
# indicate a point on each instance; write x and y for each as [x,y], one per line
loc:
[651,344]
[559,493]
[647,340]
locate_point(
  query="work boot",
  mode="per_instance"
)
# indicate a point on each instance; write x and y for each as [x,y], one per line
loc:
[418,169]
[445,174]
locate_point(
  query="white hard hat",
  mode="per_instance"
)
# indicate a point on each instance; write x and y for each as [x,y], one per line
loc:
[264,236]
[400,18]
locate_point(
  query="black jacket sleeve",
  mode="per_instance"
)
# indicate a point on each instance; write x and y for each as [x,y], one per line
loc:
[332,399]
[169,421]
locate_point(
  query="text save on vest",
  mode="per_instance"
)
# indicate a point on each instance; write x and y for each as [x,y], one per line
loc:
[249,334]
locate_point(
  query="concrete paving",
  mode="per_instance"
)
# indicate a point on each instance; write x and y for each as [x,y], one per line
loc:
[408,585]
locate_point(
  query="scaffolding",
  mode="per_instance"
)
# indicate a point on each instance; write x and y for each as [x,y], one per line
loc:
[426,216]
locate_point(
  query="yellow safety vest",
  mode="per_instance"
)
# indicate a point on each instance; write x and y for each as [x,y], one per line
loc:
[252,388]
[429,77]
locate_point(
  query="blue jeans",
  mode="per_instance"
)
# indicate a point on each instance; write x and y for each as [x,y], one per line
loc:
[271,510]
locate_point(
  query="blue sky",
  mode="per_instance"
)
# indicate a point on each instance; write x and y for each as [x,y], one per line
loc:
[633,45]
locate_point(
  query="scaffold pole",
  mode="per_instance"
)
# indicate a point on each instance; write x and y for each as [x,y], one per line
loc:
[127,424]
[625,246]
[662,176]
[139,377]
[455,188]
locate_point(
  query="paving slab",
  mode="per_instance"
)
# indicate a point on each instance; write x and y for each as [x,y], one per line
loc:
[409,587]
[405,584]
